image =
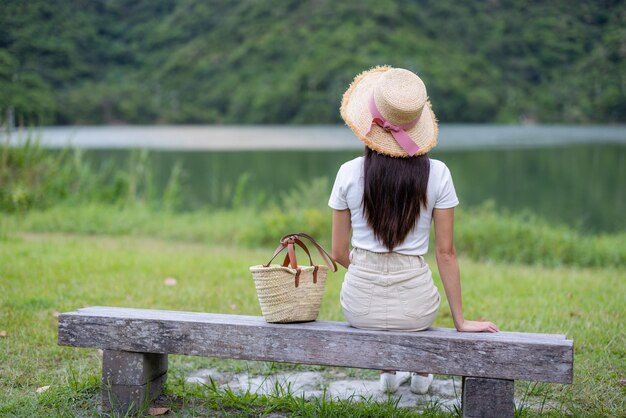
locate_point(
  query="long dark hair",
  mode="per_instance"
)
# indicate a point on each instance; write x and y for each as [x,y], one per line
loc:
[394,193]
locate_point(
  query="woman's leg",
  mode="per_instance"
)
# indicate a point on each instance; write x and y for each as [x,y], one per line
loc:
[366,308]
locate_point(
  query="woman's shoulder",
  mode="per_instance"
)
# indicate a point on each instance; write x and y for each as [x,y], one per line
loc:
[439,171]
[353,166]
[437,166]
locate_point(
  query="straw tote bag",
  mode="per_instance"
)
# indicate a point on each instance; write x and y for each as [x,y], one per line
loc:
[289,292]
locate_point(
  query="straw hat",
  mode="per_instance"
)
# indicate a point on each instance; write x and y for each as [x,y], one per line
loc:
[388,109]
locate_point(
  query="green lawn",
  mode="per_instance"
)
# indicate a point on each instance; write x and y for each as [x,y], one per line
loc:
[42,274]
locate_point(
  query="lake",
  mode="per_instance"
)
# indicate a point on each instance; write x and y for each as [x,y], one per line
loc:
[568,174]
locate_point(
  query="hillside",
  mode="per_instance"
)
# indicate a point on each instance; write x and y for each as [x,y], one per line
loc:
[236,62]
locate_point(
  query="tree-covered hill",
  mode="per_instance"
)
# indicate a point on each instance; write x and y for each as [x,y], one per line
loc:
[289,61]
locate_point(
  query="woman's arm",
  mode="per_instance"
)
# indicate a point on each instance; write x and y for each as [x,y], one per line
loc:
[449,271]
[341,236]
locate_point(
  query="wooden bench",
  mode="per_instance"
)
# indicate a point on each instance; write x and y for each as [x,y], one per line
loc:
[136,343]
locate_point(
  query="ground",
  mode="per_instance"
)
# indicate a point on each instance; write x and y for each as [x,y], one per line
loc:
[44,274]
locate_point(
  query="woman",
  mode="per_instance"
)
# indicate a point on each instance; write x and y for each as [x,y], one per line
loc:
[388,198]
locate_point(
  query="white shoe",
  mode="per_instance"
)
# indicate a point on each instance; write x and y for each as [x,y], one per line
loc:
[390,382]
[420,384]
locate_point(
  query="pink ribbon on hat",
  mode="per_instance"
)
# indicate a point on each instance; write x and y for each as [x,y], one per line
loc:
[398,131]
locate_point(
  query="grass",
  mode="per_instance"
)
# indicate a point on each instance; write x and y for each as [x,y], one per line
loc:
[72,235]
[43,273]
[227,403]
[44,191]
[482,233]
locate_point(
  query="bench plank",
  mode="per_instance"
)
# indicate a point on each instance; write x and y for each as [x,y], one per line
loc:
[504,355]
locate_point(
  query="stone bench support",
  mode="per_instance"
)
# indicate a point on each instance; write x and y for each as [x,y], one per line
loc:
[131,380]
[487,398]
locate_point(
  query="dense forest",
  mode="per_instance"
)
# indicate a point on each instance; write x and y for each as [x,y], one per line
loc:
[289,61]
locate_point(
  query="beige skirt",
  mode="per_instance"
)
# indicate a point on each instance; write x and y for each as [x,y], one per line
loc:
[389,291]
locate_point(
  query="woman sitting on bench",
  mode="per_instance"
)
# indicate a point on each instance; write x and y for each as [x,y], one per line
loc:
[388,199]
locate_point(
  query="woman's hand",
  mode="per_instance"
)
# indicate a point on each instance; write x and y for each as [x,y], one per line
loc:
[477,326]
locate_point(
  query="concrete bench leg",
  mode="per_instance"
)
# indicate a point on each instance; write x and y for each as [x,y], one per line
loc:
[131,380]
[487,398]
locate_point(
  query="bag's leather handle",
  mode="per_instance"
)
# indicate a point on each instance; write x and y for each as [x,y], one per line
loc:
[290,257]
[288,242]
[328,260]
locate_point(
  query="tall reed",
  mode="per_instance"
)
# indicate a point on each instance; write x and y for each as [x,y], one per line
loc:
[61,191]
[32,177]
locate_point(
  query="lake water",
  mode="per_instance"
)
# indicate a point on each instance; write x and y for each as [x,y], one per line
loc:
[569,174]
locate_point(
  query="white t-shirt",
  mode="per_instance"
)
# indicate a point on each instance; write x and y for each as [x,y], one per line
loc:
[348,194]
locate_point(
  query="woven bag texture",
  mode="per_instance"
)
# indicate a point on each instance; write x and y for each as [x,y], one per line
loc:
[281,301]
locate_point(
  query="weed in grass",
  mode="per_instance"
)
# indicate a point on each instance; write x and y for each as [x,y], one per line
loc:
[283,400]
[534,398]
[32,177]
[436,409]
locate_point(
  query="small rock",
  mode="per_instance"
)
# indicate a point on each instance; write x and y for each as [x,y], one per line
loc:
[622,381]
[43,389]
[196,380]
[298,383]
[3,333]
[170,281]
[204,376]
[56,314]
[156,411]
[233,306]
